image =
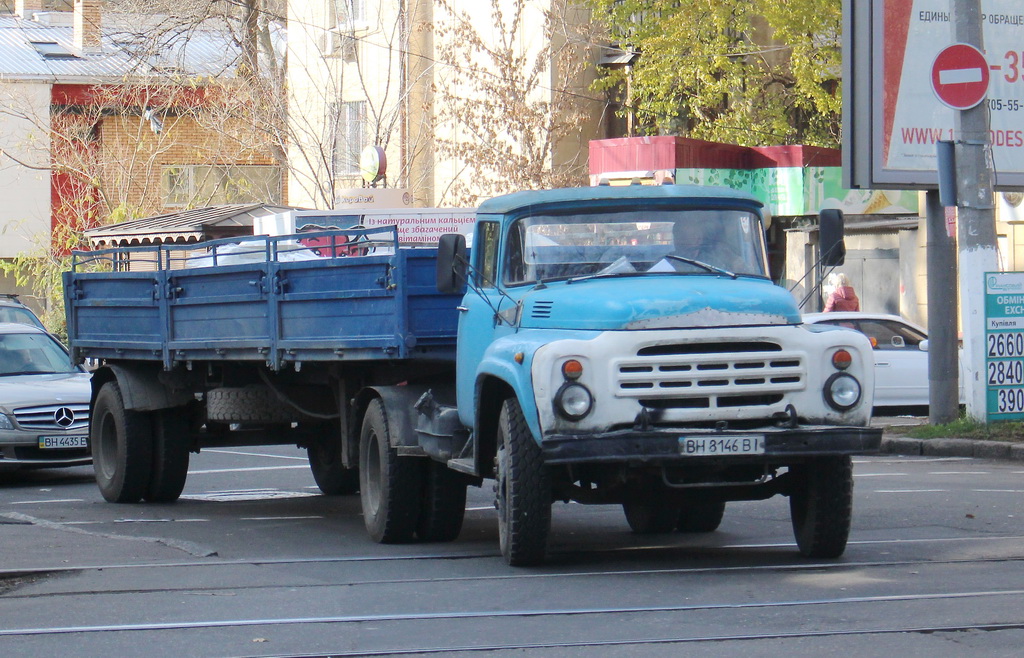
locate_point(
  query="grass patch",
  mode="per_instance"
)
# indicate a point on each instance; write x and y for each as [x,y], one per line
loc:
[964,428]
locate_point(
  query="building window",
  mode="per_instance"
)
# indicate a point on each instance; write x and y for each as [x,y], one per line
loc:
[203,185]
[349,136]
[349,14]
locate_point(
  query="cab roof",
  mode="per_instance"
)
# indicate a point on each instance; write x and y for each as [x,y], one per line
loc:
[702,195]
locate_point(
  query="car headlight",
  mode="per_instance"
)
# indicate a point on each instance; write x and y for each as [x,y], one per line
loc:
[5,422]
[842,391]
[573,401]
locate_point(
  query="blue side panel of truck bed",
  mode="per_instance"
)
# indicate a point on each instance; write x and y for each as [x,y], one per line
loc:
[326,309]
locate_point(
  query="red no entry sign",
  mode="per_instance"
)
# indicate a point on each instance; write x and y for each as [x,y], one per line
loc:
[960,76]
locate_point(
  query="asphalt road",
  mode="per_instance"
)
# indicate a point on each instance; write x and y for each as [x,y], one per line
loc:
[252,561]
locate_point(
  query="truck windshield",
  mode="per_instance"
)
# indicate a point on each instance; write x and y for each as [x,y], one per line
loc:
[546,247]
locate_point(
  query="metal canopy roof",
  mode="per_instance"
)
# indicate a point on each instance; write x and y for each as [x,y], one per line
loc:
[194,225]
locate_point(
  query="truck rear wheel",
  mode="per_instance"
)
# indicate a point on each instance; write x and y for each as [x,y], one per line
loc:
[443,507]
[523,490]
[821,506]
[328,472]
[170,456]
[650,518]
[122,447]
[703,516]
[389,485]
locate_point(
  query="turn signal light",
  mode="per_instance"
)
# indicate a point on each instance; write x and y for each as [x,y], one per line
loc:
[572,369]
[842,359]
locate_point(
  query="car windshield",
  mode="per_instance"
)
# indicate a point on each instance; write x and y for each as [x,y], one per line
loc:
[22,354]
[19,316]
[546,247]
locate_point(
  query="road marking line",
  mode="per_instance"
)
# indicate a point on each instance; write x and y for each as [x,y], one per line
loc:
[279,518]
[54,500]
[246,495]
[209,471]
[879,475]
[256,454]
[959,473]
[911,490]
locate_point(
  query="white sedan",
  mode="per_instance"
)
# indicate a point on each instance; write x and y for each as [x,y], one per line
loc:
[901,355]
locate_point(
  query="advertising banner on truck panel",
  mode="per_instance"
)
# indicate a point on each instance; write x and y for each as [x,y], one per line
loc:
[908,78]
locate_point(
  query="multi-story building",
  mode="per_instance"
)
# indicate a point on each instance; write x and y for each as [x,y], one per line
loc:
[97,125]
[464,98]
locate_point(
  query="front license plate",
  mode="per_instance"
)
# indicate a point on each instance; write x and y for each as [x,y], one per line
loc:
[703,446]
[49,442]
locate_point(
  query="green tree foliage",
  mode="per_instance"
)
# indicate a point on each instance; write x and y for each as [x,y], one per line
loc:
[750,72]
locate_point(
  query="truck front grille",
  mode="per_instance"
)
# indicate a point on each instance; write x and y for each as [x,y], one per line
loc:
[710,375]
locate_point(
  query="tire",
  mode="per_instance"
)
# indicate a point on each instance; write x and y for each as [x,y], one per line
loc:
[389,485]
[170,456]
[122,447]
[821,506]
[523,490]
[650,519]
[703,516]
[251,404]
[328,472]
[443,505]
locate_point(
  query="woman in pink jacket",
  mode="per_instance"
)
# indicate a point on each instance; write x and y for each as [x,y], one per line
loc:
[842,297]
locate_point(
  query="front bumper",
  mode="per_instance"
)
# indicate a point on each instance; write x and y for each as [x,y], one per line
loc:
[663,446]
[20,448]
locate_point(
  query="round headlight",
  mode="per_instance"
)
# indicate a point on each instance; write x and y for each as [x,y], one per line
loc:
[842,391]
[573,401]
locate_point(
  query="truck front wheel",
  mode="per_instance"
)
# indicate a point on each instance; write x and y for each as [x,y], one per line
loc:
[122,447]
[389,485]
[523,490]
[821,506]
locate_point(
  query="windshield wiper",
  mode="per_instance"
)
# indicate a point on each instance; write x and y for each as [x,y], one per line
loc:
[701,264]
[599,275]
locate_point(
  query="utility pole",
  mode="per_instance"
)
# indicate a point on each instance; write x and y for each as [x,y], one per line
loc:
[943,369]
[976,228]
[976,218]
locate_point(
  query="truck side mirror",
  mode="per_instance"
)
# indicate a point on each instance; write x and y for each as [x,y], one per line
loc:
[830,237]
[451,263]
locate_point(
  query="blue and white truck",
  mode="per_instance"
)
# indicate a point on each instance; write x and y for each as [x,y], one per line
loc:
[605,345]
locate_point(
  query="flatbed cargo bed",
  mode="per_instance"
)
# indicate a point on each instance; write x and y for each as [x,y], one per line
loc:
[274,299]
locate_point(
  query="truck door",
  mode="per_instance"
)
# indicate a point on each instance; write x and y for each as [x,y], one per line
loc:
[478,326]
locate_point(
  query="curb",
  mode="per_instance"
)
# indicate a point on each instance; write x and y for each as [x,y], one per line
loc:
[901,445]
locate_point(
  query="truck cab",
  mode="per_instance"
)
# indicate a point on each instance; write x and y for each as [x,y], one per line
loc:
[626,345]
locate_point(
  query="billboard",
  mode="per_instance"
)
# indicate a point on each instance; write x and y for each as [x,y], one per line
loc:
[904,76]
